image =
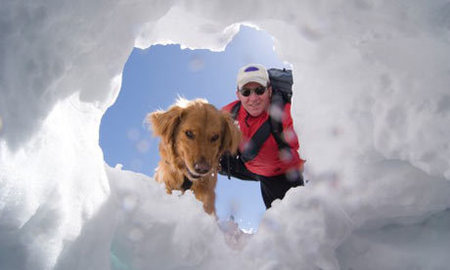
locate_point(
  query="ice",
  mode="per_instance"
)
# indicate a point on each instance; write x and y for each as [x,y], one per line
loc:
[52,187]
[371,107]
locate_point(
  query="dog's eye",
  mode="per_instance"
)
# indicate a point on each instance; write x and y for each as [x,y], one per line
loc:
[214,138]
[189,134]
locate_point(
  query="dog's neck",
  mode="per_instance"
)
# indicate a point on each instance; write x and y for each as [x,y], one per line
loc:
[187,184]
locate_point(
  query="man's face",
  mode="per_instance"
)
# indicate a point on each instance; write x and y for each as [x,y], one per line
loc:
[254,104]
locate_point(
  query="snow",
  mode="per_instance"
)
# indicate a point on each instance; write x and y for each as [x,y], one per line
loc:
[371,106]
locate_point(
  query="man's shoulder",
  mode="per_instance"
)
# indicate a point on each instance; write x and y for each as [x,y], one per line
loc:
[229,106]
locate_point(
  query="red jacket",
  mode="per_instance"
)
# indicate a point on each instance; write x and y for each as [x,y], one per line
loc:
[268,162]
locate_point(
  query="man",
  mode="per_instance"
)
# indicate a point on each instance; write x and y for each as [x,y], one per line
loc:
[276,170]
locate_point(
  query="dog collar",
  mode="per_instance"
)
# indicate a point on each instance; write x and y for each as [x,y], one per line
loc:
[187,184]
[195,176]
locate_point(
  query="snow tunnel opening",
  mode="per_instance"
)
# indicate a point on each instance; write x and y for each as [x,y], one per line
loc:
[154,77]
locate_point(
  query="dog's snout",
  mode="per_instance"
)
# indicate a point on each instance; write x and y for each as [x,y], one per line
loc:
[202,166]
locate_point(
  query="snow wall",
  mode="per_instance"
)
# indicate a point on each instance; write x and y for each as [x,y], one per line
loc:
[371,106]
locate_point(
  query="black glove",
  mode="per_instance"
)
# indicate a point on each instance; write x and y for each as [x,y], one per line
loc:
[225,166]
[234,166]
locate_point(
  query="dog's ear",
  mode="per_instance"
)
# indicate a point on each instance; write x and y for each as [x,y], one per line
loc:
[231,135]
[164,124]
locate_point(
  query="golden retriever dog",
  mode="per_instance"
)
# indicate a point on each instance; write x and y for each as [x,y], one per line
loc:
[194,134]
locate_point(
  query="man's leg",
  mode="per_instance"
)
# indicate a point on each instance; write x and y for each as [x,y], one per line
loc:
[273,188]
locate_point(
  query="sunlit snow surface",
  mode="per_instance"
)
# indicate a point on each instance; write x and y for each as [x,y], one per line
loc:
[371,104]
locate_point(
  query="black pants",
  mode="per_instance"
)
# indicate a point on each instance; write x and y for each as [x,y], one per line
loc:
[272,188]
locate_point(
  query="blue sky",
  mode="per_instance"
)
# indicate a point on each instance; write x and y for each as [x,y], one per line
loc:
[153,78]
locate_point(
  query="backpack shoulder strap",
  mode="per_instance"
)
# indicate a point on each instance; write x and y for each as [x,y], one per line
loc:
[275,118]
[255,143]
[235,110]
[277,135]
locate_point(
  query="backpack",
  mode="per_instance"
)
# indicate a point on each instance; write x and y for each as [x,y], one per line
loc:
[281,81]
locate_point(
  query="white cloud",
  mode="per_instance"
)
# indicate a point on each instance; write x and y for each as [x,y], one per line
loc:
[377,72]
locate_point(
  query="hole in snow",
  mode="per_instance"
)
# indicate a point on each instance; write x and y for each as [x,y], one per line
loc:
[153,78]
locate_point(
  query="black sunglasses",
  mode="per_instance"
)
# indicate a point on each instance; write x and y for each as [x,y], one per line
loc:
[259,91]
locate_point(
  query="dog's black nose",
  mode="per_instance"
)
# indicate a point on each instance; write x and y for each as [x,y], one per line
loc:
[202,167]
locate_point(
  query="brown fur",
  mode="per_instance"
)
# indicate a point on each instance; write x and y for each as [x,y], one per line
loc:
[194,134]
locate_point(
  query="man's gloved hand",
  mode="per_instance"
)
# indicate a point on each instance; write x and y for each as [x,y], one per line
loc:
[224,164]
